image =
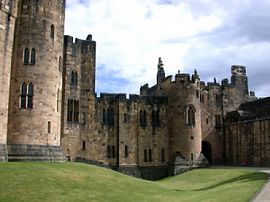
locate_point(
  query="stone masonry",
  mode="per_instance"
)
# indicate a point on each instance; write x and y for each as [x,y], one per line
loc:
[49,110]
[8,15]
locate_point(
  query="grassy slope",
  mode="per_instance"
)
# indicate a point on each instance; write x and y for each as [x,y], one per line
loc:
[79,182]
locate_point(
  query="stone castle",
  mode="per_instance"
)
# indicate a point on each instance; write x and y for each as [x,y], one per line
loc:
[49,110]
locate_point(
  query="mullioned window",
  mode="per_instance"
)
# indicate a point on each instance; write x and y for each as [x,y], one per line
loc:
[26,96]
[73,111]
[29,57]
[190,115]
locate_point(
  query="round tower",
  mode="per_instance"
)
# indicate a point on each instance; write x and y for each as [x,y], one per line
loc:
[185,116]
[8,13]
[36,80]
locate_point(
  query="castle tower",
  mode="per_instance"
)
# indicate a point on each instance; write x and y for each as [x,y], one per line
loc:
[184,115]
[36,81]
[161,72]
[239,79]
[78,102]
[8,13]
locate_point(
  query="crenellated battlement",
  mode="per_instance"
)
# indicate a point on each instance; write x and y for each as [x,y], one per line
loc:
[114,97]
[181,79]
[239,82]
[79,47]
[83,45]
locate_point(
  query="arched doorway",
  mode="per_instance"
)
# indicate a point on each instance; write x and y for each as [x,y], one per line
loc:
[207,150]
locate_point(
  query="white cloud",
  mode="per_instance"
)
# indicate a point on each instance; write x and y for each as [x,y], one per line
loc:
[187,34]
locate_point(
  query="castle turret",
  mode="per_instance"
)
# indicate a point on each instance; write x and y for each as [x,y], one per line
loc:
[8,14]
[184,116]
[239,79]
[36,81]
[78,101]
[161,72]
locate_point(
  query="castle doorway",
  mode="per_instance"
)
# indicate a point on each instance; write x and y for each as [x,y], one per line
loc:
[207,151]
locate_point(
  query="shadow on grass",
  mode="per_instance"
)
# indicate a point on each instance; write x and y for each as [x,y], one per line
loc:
[243,178]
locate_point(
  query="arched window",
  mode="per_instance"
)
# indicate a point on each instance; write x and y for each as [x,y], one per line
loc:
[33,57]
[30,94]
[52,31]
[23,95]
[58,102]
[155,118]
[110,116]
[190,115]
[70,110]
[75,78]
[60,64]
[26,56]
[72,78]
[76,111]
[143,119]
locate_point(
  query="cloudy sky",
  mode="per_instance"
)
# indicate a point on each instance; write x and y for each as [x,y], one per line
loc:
[209,35]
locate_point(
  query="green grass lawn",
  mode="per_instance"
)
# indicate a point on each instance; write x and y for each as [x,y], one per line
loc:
[80,182]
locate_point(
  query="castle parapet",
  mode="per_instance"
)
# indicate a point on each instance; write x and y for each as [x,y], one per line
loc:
[238,70]
[182,78]
[168,79]
[81,46]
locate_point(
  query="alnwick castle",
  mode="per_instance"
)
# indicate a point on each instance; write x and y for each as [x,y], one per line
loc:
[49,110]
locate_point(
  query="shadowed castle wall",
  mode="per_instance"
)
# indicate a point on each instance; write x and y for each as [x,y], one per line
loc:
[248,143]
[247,140]
[216,101]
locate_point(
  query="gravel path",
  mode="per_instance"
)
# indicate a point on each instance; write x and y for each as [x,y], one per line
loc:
[264,194]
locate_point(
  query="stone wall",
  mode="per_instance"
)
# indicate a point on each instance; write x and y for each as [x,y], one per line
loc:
[39,29]
[8,14]
[248,143]
[217,99]
[182,94]
[79,85]
[35,153]
[128,137]
[140,134]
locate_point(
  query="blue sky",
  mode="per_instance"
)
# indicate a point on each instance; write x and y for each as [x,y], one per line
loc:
[209,35]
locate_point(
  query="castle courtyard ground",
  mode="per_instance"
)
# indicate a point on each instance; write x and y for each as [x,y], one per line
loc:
[263,195]
[80,182]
